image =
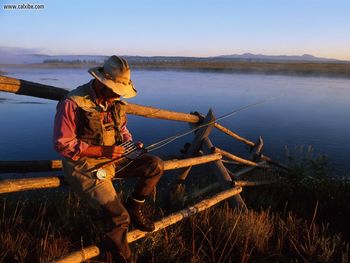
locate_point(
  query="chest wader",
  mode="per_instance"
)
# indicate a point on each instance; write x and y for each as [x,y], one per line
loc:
[99,193]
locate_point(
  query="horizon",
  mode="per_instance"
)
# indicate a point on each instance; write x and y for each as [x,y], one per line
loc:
[21,51]
[180,28]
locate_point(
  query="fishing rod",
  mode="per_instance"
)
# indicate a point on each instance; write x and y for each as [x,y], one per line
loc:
[132,151]
[168,140]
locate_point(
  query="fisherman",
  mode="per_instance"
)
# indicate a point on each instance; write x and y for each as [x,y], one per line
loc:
[90,126]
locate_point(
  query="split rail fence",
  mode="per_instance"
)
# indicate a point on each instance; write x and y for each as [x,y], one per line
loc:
[200,151]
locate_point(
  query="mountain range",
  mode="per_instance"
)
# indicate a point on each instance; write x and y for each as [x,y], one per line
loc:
[9,55]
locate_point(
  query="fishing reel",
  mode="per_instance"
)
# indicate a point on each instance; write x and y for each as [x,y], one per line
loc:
[131,153]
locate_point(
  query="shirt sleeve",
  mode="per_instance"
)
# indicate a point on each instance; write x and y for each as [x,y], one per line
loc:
[65,131]
[126,135]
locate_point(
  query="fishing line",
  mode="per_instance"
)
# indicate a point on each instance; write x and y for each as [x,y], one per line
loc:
[162,143]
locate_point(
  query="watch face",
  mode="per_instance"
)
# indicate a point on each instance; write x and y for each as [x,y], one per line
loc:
[101,174]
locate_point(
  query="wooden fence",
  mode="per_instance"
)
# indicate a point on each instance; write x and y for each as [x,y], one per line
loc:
[200,151]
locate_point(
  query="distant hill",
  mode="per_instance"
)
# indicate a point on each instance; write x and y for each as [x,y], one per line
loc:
[260,57]
[305,65]
[10,55]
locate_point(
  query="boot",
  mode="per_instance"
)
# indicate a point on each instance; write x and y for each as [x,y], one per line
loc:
[137,217]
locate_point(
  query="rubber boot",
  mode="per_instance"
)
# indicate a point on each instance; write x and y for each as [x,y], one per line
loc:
[137,217]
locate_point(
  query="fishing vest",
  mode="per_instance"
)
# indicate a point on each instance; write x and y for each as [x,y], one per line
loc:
[92,130]
[91,127]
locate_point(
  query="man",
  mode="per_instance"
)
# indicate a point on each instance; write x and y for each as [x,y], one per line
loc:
[90,125]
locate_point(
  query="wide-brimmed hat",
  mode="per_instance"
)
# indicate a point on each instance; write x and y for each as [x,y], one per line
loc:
[115,74]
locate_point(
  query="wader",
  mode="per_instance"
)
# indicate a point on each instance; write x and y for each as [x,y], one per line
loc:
[93,130]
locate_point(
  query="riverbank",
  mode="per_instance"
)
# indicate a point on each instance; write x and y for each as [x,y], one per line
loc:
[330,69]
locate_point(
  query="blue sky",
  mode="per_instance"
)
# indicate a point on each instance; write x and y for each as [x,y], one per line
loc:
[181,27]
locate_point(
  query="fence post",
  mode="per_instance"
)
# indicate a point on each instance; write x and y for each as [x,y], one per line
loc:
[224,179]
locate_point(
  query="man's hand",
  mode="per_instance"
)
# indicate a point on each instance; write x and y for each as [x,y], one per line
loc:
[139,144]
[112,152]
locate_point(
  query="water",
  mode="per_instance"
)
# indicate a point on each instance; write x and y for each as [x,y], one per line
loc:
[307,111]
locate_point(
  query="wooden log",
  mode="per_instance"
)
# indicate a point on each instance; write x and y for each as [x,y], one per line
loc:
[155,113]
[233,135]
[177,191]
[198,139]
[216,185]
[47,165]
[276,163]
[257,149]
[178,216]
[224,178]
[23,87]
[257,155]
[16,185]
[234,157]
[176,164]
[29,166]
[201,134]
[79,256]
[239,173]
[229,162]
[254,183]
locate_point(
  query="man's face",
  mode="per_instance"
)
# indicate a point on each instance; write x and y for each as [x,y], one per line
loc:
[104,92]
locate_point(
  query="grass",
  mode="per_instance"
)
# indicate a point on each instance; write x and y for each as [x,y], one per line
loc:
[39,233]
[310,182]
[225,235]
[303,219]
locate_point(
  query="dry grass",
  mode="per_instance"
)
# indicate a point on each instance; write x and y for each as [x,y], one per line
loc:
[224,235]
[34,231]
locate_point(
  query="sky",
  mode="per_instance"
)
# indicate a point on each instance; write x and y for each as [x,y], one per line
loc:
[179,27]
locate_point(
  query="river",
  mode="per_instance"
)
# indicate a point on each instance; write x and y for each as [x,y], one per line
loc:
[305,112]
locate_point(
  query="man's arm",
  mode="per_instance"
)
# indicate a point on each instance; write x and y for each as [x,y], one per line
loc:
[126,135]
[65,136]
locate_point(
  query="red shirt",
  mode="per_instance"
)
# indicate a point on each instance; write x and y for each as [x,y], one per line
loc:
[65,138]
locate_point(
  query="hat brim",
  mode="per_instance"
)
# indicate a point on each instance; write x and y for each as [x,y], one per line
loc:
[124,90]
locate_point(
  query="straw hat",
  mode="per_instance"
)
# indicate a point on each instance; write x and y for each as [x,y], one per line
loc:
[115,74]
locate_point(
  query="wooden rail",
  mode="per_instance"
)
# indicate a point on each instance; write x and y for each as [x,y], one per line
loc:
[233,157]
[216,185]
[28,88]
[46,165]
[232,193]
[93,251]
[29,166]
[16,185]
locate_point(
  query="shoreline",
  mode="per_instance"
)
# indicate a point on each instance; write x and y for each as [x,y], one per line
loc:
[313,69]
